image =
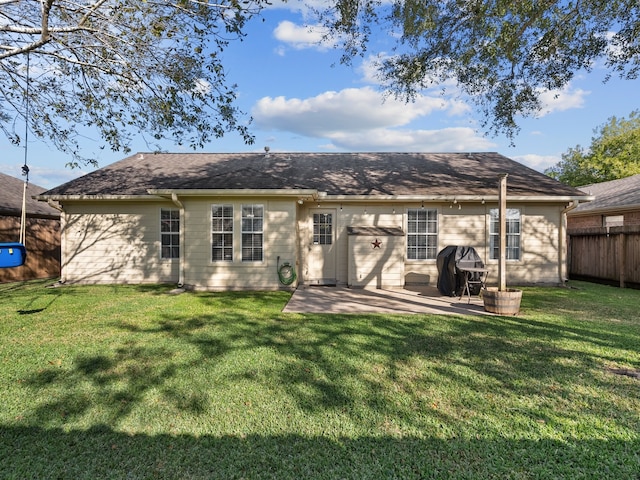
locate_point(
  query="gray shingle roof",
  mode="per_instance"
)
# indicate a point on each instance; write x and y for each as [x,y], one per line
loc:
[11,189]
[334,173]
[623,194]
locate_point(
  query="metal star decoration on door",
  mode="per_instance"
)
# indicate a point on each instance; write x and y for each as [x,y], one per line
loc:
[376,243]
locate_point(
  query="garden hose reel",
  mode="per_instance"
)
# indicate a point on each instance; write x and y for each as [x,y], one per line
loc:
[286,273]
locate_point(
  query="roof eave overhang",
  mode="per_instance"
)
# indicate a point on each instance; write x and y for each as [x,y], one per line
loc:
[156,194]
[311,194]
[81,198]
[605,210]
[237,192]
[29,214]
[459,198]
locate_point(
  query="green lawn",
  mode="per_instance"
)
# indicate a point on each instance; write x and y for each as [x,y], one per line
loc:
[132,382]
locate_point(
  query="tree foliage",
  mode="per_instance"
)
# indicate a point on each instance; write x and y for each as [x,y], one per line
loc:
[502,53]
[614,153]
[119,66]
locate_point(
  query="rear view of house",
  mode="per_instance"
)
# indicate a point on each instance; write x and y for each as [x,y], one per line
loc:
[231,221]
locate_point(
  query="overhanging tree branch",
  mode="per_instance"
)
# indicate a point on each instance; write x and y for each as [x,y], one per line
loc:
[119,67]
[502,54]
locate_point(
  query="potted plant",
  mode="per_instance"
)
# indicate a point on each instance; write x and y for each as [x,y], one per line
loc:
[500,299]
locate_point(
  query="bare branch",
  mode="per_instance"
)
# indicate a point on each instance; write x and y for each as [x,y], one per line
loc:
[12,52]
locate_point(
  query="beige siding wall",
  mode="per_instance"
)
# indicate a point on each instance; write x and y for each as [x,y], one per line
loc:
[119,242]
[541,245]
[381,267]
[114,242]
[380,215]
[465,226]
[540,240]
[279,241]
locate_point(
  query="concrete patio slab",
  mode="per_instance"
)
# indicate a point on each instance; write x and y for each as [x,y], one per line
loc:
[409,300]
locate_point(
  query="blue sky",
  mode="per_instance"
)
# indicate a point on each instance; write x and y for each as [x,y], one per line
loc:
[302,99]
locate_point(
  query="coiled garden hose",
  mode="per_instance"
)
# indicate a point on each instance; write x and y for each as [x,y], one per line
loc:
[286,273]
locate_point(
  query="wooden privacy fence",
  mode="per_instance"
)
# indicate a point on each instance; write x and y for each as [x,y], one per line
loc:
[606,255]
[43,248]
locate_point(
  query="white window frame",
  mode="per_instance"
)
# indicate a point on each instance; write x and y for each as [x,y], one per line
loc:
[422,234]
[323,228]
[222,228]
[514,234]
[609,221]
[172,235]
[252,226]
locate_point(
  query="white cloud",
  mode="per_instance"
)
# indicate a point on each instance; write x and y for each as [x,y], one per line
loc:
[560,100]
[301,37]
[537,162]
[456,139]
[202,86]
[363,119]
[369,69]
[44,177]
[351,109]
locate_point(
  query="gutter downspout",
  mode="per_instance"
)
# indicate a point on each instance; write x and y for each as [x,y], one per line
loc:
[563,243]
[178,203]
[55,205]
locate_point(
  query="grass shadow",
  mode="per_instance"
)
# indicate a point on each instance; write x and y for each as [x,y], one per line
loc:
[103,453]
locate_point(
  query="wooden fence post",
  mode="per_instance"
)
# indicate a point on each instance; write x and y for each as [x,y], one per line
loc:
[502,262]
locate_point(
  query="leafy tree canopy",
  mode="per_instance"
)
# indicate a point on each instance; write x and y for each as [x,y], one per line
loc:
[614,153]
[503,53]
[119,66]
[157,67]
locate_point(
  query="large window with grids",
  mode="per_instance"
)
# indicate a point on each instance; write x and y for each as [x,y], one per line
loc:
[422,234]
[252,233]
[169,233]
[513,230]
[222,233]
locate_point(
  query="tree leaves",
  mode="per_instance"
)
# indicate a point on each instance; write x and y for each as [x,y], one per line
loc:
[614,153]
[503,54]
[120,68]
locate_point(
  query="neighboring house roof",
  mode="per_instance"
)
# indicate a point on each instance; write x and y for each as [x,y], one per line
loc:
[11,190]
[622,194]
[431,175]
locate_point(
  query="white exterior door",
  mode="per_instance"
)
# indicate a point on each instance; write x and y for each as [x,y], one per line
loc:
[321,247]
